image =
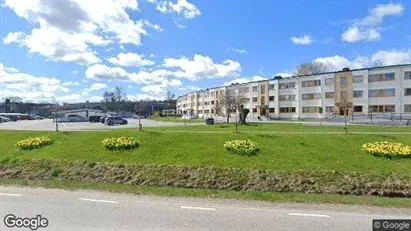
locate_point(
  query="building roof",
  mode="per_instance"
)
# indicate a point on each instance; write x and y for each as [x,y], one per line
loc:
[299,76]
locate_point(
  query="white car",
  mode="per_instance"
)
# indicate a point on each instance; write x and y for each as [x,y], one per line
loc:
[4,119]
[138,117]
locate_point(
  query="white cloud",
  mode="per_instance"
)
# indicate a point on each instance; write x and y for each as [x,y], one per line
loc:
[284,74]
[75,72]
[240,51]
[103,72]
[97,86]
[367,28]
[302,40]
[202,67]
[387,57]
[16,83]
[130,60]
[70,98]
[95,98]
[245,80]
[181,7]
[70,83]
[66,30]
[129,86]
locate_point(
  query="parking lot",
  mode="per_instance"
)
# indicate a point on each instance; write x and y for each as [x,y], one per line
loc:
[49,125]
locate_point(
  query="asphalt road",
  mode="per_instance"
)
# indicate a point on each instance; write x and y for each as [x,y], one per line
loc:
[49,125]
[90,210]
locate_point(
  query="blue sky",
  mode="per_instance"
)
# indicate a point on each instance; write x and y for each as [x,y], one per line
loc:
[75,50]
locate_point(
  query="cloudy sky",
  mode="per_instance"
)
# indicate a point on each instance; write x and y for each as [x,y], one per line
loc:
[74,50]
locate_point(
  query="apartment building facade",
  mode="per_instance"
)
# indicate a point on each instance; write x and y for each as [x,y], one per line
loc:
[384,89]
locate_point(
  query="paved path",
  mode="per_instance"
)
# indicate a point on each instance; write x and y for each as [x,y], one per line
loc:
[88,210]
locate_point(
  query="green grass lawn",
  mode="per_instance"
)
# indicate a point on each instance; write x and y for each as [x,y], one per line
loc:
[282,152]
[176,119]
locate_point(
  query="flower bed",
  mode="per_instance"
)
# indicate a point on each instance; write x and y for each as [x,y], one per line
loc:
[120,143]
[387,149]
[34,142]
[245,147]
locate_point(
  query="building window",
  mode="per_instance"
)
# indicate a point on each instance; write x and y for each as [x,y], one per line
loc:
[407,91]
[329,81]
[381,77]
[329,95]
[271,86]
[357,79]
[254,88]
[358,94]
[212,102]
[271,98]
[407,108]
[271,109]
[343,94]
[287,85]
[357,108]
[329,109]
[287,109]
[407,75]
[212,111]
[382,108]
[311,83]
[381,93]
[262,89]
[286,97]
[262,100]
[311,96]
[310,109]
[254,110]
[254,99]
[343,82]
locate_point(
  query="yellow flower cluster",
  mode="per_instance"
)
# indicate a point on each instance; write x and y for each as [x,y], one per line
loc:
[118,143]
[247,147]
[386,148]
[34,142]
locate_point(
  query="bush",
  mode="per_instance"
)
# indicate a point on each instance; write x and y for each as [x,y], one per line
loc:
[34,142]
[245,147]
[120,143]
[387,149]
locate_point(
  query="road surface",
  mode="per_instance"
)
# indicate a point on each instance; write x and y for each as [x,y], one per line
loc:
[90,210]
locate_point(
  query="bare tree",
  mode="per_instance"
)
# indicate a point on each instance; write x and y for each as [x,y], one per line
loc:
[231,102]
[344,105]
[310,68]
[114,100]
[378,63]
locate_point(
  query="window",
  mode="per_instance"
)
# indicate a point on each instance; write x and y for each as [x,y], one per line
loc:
[262,89]
[329,95]
[407,91]
[358,94]
[254,99]
[343,94]
[381,93]
[382,108]
[271,98]
[381,77]
[287,85]
[407,75]
[310,109]
[286,97]
[343,82]
[329,109]
[329,81]
[311,96]
[212,102]
[271,110]
[311,83]
[357,108]
[271,86]
[407,108]
[206,111]
[357,79]
[287,109]
[262,100]
[254,88]
[254,110]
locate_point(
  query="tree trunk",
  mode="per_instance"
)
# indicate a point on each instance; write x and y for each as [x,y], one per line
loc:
[228,117]
[243,115]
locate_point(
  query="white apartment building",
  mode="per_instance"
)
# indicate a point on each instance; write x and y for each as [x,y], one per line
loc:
[378,90]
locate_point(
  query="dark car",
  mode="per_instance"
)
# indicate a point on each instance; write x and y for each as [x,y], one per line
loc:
[94,119]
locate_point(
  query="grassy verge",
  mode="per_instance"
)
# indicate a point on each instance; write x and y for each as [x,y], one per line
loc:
[177,119]
[209,193]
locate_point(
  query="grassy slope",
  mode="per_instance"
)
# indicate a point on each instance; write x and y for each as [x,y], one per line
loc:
[290,152]
[177,119]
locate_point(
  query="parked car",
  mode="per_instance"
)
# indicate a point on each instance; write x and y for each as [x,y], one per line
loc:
[103,119]
[94,119]
[4,119]
[138,117]
[111,120]
[13,118]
